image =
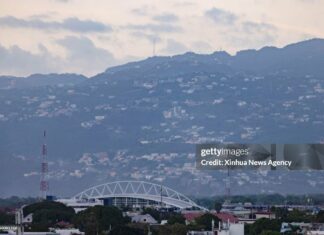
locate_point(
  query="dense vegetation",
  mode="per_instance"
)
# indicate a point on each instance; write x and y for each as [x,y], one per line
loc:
[272,226]
[6,218]
[266,199]
[211,202]
[172,217]
[48,214]
[100,219]
[15,202]
[263,225]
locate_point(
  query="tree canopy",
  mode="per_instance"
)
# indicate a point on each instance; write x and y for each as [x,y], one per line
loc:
[99,218]
[47,213]
[206,221]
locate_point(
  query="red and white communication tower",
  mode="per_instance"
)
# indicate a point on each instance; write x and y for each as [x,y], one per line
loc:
[44,170]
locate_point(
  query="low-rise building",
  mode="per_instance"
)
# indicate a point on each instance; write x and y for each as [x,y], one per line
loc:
[223,229]
[190,216]
[264,214]
[303,228]
[288,227]
[28,219]
[147,219]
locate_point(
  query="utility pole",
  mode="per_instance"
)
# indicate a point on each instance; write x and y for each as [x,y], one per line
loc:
[19,221]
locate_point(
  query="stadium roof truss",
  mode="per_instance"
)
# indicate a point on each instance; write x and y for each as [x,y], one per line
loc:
[140,190]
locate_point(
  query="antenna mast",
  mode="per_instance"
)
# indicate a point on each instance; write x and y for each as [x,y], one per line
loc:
[44,170]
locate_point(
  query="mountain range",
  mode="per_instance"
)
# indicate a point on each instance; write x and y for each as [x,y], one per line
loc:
[142,120]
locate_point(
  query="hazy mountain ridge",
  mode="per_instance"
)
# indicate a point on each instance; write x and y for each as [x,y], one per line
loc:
[39,80]
[307,53]
[142,120]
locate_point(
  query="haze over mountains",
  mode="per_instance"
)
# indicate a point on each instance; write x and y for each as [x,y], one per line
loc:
[142,120]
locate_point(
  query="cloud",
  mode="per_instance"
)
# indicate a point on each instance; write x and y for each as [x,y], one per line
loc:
[221,16]
[201,47]
[143,10]
[166,18]
[310,1]
[242,33]
[184,4]
[72,24]
[174,47]
[149,36]
[250,34]
[17,61]
[84,56]
[63,1]
[162,27]
[254,27]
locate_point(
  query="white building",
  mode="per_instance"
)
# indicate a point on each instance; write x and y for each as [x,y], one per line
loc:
[147,219]
[230,229]
[28,219]
[265,215]
[287,227]
[223,229]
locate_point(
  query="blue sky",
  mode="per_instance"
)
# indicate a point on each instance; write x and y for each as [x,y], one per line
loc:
[87,36]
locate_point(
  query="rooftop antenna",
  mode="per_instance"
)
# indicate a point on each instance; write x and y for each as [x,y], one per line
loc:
[44,170]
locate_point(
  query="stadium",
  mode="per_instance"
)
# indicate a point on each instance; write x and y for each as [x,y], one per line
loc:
[131,194]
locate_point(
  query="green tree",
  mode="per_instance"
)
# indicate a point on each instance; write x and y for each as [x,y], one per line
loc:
[264,225]
[123,230]
[178,229]
[98,219]
[206,221]
[175,229]
[299,216]
[47,213]
[16,202]
[247,228]
[268,232]
[320,217]
[6,219]
[176,219]
[217,206]
[153,212]
[164,230]
[281,213]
